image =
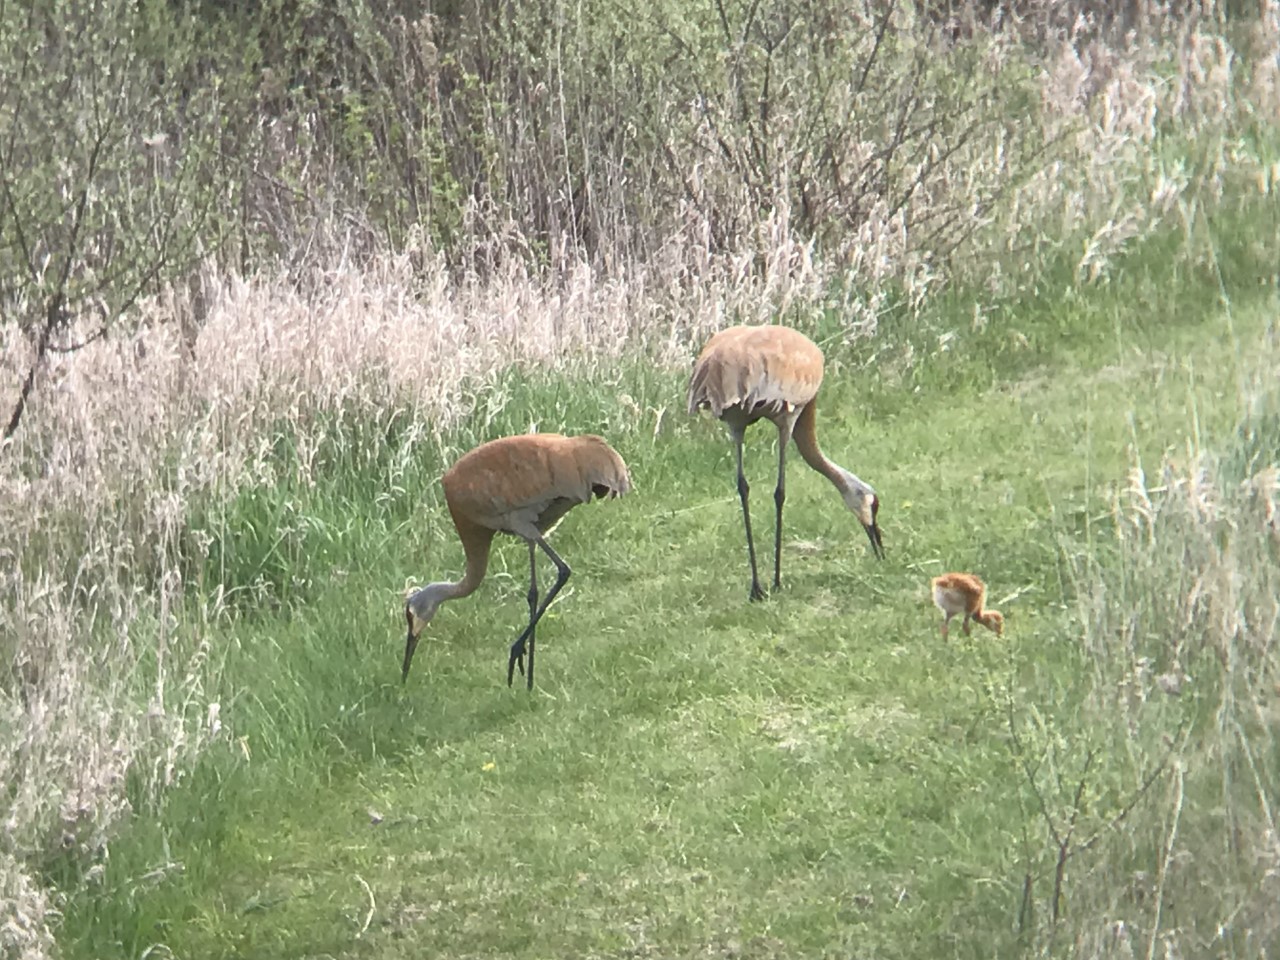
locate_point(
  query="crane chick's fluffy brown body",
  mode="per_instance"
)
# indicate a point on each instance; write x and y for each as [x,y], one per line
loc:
[963,593]
[521,485]
[749,373]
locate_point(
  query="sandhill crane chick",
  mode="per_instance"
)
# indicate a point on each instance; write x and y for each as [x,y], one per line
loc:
[963,593]
[521,485]
[750,373]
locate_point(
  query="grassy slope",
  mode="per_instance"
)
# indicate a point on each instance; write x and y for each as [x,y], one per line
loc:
[695,775]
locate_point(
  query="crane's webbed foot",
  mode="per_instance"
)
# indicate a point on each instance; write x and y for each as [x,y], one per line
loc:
[756,592]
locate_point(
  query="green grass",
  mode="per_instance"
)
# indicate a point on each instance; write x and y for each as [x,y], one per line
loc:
[694,775]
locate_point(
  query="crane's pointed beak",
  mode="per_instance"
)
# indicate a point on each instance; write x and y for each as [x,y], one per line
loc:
[877,545]
[873,530]
[410,645]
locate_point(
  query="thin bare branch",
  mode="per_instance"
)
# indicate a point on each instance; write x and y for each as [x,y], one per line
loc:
[73,347]
[881,30]
[1032,780]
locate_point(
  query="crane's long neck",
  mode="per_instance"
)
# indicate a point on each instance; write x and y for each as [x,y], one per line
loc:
[806,437]
[476,542]
[993,620]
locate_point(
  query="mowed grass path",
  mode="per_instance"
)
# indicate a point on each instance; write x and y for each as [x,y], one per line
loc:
[694,775]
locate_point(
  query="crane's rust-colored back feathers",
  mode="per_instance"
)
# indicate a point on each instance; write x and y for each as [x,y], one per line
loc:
[762,369]
[961,592]
[522,476]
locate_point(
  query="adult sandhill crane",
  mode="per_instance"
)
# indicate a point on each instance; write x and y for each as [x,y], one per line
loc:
[955,593]
[521,485]
[751,373]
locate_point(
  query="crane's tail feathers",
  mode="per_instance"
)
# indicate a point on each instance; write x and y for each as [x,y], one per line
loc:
[756,381]
[603,470]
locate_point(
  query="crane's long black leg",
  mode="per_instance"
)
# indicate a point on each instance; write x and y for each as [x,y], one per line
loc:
[779,498]
[744,489]
[517,648]
[517,658]
[533,609]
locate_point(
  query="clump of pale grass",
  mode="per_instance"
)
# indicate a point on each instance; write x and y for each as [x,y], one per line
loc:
[1195,614]
[75,723]
[25,912]
[1199,579]
[1180,628]
[1105,102]
[90,600]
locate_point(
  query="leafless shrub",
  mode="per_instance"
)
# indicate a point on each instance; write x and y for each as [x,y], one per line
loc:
[97,207]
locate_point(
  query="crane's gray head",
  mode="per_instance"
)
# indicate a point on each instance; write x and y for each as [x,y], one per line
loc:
[864,504]
[419,607]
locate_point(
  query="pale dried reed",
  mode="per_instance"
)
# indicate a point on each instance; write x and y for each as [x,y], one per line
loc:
[1180,628]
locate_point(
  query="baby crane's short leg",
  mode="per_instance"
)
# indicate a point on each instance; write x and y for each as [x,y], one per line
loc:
[744,489]
[965,625]
[946,625]
[517,649]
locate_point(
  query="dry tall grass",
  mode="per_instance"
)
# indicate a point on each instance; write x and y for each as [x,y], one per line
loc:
[1182,634]
[126,435]
[1171,767]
